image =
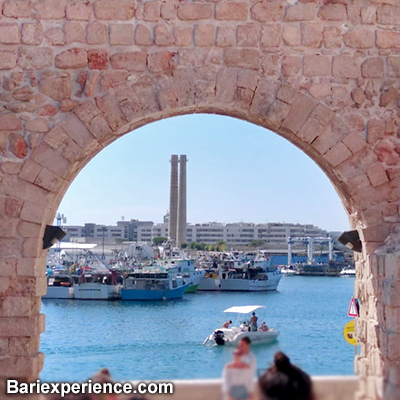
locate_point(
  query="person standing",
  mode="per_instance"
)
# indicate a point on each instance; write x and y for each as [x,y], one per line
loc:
[248,357]
[237,379]
[253,322]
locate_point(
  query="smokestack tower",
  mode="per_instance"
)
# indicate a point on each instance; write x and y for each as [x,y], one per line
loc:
[182,207]
[173,201]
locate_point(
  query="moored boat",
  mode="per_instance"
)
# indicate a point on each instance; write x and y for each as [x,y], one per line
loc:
[153,285]
[97,286]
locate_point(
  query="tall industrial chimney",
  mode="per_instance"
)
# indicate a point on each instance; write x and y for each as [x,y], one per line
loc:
[173,201]
[182,217]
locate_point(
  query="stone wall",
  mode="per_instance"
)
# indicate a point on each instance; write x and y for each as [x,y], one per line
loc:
[75,75]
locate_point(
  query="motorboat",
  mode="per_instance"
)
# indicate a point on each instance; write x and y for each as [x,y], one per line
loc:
[232,335]
[288,270]
[153,285]
[348,272]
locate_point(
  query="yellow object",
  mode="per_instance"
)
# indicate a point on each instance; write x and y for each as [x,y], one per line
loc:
[348,333]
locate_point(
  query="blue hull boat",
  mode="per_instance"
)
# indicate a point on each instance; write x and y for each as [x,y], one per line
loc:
[153,294]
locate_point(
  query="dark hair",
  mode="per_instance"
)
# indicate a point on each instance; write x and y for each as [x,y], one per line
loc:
[285,381]
[246,339]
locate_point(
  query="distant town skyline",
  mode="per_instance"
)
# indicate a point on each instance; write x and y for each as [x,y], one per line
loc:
[237,172]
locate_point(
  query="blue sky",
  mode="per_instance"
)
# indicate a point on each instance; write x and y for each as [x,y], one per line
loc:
[236,172]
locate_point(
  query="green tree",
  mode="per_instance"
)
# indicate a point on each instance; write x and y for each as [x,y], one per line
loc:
[221,246]
[159,240]
[256,243]
[184,246]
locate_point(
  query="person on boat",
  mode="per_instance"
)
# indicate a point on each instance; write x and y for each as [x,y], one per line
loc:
[226,324]
[263,327]
[237,379]
[248,357]
[253,322]
[285,381]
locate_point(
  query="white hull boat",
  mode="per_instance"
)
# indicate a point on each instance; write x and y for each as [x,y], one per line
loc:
[59,287]
[96,291]
[233,335]
[288,271]
[348,272]
[234,283]
[54,292]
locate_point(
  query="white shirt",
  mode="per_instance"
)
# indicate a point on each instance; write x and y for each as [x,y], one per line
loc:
[251,360]
[237,377]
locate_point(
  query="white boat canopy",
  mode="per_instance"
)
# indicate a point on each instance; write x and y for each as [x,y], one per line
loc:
[243,309]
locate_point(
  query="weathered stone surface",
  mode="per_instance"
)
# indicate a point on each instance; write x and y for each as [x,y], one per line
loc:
[226,36]
[57,86]
[316,65]
[372,68]
[50,9]
[74,32]
[345,67]
[132,61]
[194,11]
[264,11]
[17,8]
[32,33]
[291,35]
[96,33]
[8,59]
[271,35]
[232,11]
[204,35]
[143,36]
[98,59]
[114,9]
[162,61]
[301,12]
[333,12]
[73,58]
[244,58]
[35,57]
[152,11]
[9,34]
[79,10]
[163,36]
[18,145]
[360,38]
[9,122]
[121,34]
[388,39]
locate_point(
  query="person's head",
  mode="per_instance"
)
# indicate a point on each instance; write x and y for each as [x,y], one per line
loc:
[285,381]
[254,314]
[230,321]
[244,344]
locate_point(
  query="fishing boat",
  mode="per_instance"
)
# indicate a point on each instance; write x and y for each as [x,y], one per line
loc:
[97,286]
[153,285]
[253,276]
[176,260]
[211,280]
[59,287]
[232,335]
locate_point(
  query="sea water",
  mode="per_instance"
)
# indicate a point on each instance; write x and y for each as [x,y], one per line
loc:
[163,340]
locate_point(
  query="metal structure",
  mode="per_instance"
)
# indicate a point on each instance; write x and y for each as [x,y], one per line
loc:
[310,246]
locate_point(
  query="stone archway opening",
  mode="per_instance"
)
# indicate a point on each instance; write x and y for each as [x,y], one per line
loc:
[260,134]
[76,75]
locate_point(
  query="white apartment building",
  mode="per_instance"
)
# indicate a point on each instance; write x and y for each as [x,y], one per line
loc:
[238,233]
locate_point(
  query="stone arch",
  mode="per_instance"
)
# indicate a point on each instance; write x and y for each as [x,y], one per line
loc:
[76,75]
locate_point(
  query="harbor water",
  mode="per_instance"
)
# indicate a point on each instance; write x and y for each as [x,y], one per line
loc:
[163,340]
